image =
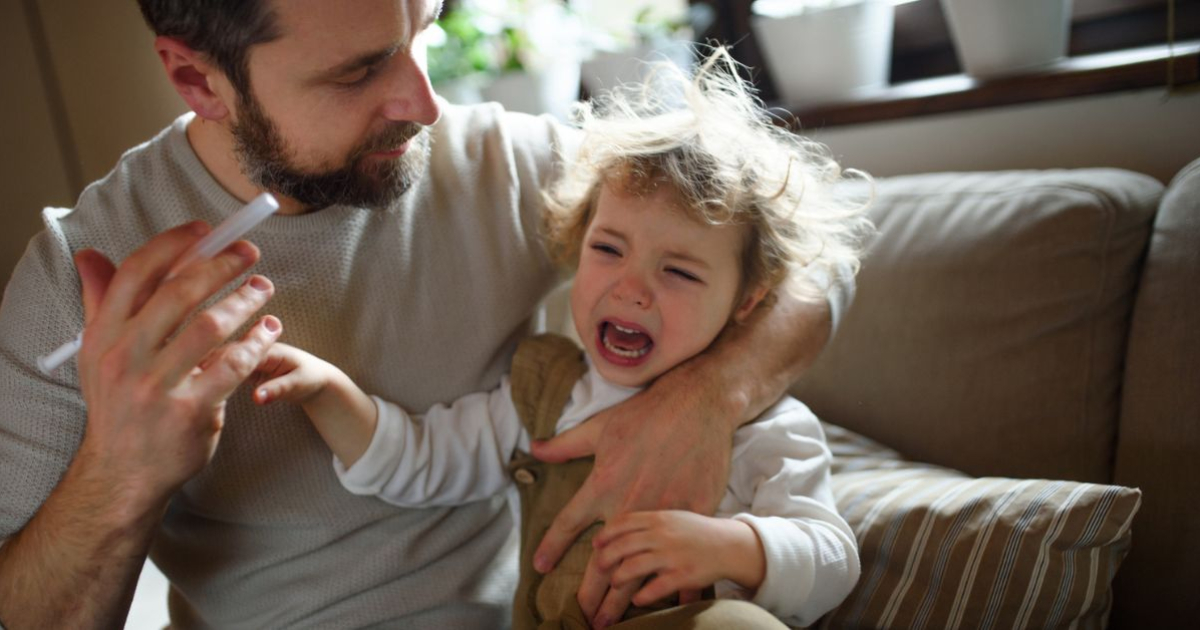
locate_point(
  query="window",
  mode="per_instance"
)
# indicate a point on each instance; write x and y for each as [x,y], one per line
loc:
[922,48]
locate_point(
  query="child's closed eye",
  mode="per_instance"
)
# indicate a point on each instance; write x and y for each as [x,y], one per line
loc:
[683,274]
[606,249]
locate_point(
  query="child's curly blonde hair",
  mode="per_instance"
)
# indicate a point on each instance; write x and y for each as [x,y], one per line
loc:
[709,139]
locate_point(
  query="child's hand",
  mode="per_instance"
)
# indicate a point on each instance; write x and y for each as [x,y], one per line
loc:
[683,550]
[341,412]
[291,374]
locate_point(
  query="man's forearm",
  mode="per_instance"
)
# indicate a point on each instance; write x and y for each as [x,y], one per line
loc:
[76,563]
[757,361]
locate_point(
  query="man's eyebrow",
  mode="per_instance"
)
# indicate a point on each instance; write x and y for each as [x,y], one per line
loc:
[365,60]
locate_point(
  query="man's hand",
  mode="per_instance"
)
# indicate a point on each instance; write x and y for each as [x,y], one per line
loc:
[156,389]
[666,448]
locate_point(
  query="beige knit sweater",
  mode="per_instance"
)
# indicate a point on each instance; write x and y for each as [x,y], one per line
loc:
[420,304]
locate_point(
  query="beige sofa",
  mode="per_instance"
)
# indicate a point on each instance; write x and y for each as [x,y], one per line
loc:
[1027,325]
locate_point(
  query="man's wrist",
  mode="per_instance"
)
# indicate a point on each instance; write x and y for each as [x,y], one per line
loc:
[115,504]
[725,391]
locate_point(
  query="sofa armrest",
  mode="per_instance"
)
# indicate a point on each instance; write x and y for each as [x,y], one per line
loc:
[1159,447]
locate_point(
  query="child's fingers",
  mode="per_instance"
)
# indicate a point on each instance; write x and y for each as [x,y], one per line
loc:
[592,589]
[616,602]
[290,387]
[621,525]
[661,587]
[636,567]
[686,596]
[612,554]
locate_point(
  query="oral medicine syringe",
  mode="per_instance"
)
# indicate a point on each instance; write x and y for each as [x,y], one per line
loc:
[222,236]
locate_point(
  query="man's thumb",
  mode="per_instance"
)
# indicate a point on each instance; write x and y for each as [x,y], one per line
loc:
[573,444]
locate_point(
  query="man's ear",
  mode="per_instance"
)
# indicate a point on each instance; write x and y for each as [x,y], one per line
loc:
[194,77]
[750,299]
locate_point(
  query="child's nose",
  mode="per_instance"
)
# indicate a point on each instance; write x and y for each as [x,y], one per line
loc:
[633,289]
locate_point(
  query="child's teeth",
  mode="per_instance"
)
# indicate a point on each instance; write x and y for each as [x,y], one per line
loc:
[628,354]
[624,329]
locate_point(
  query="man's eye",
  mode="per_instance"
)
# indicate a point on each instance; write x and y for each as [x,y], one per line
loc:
[358,77]
[690,277]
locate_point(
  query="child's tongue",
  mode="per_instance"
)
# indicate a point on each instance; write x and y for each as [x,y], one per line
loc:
[626,340]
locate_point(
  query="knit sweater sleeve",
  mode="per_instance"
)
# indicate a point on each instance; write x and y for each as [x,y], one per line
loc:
[42,418]
[781,477]
[453,454]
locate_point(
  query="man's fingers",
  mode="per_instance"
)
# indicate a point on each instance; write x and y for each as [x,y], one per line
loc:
[210,329]
[573,444]
[573,519]
[143,269]
[236,361]
[95,274]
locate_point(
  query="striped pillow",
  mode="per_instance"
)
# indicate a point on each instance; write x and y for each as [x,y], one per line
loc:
[940,549]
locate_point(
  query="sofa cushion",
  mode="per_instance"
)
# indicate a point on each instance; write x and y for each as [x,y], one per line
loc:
[940,549]
[1159,450]
[989,328]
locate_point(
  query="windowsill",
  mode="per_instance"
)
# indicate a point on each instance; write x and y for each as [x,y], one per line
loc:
[1102,73]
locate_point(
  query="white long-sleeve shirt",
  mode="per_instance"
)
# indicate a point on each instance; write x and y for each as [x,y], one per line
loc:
[778,482]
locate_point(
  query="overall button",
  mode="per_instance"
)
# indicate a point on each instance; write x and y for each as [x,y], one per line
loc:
[524,476]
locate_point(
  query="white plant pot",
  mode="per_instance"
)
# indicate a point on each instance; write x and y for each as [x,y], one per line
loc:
[461,91]
[825,53]
[551,90]
[609,69]
[999,37]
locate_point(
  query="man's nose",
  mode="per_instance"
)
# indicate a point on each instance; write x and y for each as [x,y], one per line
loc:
[410,97]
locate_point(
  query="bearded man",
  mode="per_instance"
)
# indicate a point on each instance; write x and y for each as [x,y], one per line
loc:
[406,252]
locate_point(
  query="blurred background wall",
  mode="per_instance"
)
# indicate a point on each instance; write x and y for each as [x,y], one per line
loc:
[82,85]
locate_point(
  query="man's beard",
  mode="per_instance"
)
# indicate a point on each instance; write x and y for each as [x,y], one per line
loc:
[376,183]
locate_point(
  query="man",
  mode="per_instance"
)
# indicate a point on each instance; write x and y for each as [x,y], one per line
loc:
[407,255]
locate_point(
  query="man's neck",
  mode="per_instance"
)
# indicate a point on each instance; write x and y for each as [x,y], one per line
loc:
[214,145]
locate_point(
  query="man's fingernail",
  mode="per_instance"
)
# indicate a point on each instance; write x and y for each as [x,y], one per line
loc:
[271,324]
[245,250]
[260,283]
[262,395]
[539,563]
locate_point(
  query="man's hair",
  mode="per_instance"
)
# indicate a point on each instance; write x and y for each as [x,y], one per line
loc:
[708,138]
[222,30]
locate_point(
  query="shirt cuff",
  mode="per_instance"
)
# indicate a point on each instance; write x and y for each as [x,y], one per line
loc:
[377,465]
[790,574]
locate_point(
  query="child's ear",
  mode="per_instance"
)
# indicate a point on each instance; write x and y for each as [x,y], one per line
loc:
[750,299]
[194,78]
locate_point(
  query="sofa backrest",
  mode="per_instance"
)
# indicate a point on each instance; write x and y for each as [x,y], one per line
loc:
[990,325]
[1159,447]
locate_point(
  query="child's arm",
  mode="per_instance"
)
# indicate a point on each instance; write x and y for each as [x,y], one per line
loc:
[806,558]
[450,456]
[341,412]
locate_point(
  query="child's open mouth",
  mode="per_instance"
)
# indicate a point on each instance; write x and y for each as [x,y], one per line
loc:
[623,344]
